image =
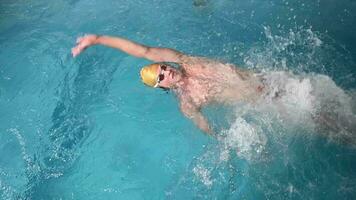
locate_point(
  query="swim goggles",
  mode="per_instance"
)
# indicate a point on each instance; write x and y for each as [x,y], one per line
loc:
[161,74]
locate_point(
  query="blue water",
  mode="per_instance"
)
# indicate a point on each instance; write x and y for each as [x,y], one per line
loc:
[87,128]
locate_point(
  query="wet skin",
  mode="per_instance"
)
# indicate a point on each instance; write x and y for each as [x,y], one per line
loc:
[198,82]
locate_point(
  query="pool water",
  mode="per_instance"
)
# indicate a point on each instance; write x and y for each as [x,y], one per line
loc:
[87,128]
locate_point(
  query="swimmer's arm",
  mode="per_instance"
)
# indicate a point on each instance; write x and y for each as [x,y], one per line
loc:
[156,54]
[193,113]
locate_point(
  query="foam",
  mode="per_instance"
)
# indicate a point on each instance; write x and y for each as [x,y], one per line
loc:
[297,103]
[245,138]
[298,95]
[309,101]
[203,175]
[289,95]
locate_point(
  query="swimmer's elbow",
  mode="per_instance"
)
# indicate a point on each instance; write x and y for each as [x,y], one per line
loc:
[199,121]
[206,128]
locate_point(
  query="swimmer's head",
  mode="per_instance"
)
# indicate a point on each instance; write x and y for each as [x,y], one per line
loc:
[160,75]
[149,74]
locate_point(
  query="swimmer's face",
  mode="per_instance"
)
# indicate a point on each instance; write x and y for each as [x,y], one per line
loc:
[168,76]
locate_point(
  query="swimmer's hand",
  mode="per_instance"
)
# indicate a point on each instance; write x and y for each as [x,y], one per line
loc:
[83,43]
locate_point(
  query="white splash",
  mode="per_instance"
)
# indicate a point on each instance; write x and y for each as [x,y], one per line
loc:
[292,96]
[246,138]
[203,175]
[312,101]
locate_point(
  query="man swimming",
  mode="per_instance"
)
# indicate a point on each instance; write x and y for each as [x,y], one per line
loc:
[198,81]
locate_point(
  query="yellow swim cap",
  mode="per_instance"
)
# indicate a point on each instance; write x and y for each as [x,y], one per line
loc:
[149,74]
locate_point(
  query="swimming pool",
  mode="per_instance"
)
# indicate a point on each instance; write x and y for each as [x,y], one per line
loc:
[87,128]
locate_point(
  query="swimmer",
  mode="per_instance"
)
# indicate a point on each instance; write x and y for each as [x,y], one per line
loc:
[197,82]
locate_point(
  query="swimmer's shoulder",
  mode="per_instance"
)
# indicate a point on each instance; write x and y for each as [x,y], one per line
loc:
[188,62]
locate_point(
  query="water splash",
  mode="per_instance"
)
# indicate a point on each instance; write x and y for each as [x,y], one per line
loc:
[203,174]
[246,138]
[304,104]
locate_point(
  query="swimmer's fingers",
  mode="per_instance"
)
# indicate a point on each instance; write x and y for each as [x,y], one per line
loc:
[78,49]
[83,43]
[75,51]
[80,39]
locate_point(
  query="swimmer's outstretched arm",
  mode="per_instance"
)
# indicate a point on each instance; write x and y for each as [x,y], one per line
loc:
[155,54]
